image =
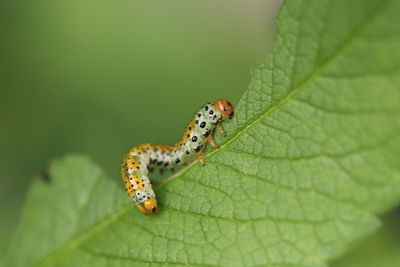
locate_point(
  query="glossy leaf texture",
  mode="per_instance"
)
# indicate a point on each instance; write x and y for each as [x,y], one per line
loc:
[311,158]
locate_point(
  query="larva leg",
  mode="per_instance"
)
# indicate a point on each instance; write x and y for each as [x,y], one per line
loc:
[210,139]
[221,130]
[200,156]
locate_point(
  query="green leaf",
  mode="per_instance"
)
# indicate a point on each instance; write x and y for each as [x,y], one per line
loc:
[311,158]
[74,199]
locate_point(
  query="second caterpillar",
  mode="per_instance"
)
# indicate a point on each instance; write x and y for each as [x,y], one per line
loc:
[142,159]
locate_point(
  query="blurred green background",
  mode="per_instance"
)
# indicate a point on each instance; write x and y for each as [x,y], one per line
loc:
[95,77]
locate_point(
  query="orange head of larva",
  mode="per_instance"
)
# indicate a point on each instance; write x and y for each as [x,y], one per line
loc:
[150,206]
[225,107]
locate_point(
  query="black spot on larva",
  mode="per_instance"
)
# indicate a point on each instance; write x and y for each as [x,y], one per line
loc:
[138,167]
[188,135]
[187,152]
[203,124]
[148,197]
[198,115]
[229,103]
[196,121]
[189,128]
[206,134]
[211,112]
[214,117]
[206,108]
[198,148]
[137,182]
[194,138]
[177,160]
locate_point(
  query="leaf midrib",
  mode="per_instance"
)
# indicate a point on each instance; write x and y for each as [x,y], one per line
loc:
[78,240]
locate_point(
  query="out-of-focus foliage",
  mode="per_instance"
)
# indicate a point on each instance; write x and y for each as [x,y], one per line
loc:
[381,249]
[96,77]
[311,159]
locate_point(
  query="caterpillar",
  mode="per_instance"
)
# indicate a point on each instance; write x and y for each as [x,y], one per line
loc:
[142,159]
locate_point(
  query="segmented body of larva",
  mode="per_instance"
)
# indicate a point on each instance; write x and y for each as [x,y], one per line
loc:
[144,158]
